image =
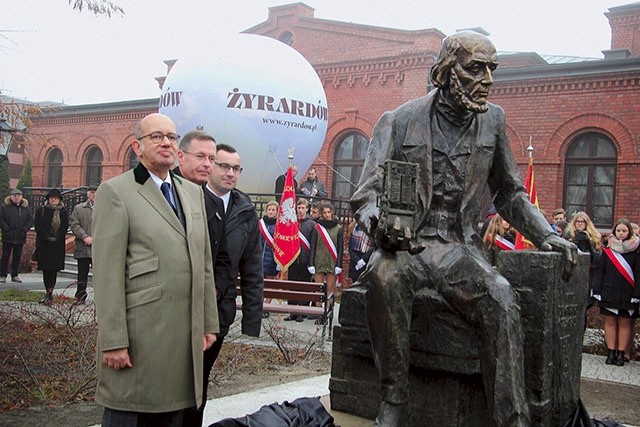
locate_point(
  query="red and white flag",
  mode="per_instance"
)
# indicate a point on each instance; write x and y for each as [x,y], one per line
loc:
[286,238]
[530,184]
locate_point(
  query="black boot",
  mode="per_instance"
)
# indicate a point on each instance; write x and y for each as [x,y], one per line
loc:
[620,358]
[48,297]
[81,293]
[611,357]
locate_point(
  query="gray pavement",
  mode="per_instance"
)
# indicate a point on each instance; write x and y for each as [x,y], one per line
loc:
[593,367]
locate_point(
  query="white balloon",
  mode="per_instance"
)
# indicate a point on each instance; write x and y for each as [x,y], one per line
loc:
[256,94]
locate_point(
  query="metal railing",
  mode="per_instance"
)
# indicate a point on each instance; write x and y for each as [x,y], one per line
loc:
[37,197]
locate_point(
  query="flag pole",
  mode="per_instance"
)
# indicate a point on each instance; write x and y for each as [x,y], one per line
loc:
[290,155]
[530,151]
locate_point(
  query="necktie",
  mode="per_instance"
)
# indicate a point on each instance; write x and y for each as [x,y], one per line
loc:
[166,191]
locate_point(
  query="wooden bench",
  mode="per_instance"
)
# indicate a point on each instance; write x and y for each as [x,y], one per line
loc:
[290,290]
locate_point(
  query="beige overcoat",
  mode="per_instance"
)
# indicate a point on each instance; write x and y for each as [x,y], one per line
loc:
[154,292]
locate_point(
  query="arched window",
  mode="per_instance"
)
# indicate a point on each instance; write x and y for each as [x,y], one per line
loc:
[54,164]
[348,160]
[590,176]
[132,159]
[94,166]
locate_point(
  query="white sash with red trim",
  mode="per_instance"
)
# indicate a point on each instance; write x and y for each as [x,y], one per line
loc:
[621,265]
[326,238]
[503,243]
[303,241]
[265,233]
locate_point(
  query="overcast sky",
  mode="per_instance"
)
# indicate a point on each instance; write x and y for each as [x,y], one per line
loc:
[49,52]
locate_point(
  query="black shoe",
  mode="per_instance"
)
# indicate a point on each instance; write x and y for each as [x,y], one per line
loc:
[289,318]
[611,357]
[299,319]
[620,358]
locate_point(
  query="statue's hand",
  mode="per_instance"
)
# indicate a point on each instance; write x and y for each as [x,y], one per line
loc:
[558,244]
[368,217]
[396,238]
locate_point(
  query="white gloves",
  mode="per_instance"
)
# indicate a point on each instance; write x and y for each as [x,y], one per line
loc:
[278,268]
[360,264]
[635,300]
[597,296]
[311,269]
[338,270]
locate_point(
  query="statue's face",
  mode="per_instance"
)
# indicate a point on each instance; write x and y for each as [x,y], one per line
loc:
[472,75]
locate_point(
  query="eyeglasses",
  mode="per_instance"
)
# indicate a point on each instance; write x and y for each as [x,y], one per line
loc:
[226,167]
[201,157]
[158,137]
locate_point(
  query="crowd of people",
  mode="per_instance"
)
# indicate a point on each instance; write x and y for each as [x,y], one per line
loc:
[614,271]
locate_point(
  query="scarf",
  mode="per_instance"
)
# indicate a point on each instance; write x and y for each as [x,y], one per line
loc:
[623,246]
[328,223]
[55,220]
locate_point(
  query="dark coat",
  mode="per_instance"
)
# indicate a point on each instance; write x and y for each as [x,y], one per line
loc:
[613,288]
[243,245]
[50,247]
[583,243]
[306,188]
[268,258]
[219,253]
[280,186]
[15,221]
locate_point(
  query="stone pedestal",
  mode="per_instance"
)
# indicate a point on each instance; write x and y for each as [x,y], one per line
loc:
[446,385]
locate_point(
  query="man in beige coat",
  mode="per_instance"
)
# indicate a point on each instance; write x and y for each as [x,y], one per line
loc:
[153,285]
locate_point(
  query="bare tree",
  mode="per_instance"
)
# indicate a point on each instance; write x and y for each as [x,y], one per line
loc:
[97,7]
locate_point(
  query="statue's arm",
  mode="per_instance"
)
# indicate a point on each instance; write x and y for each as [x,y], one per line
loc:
[511,199]
[364,201]
[513,204]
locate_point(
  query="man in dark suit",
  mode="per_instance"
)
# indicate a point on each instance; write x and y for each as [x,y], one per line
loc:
[459,142]
[280,183]
[154,288]
[197,156]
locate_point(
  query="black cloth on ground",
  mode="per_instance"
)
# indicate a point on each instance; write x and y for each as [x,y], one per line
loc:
[302,412]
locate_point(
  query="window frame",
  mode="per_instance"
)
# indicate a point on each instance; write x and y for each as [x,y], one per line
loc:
[54,168]
[354,163]
[591,161]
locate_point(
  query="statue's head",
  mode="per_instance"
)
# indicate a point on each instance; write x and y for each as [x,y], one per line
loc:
[464,69]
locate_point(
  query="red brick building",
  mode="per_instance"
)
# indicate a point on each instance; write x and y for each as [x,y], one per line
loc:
[582,117]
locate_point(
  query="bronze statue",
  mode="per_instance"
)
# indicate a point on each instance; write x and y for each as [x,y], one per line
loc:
[458,141]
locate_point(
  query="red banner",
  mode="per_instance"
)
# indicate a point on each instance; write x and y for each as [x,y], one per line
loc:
[530,184]
[286,238]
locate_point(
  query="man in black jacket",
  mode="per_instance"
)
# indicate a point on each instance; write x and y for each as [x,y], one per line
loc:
[197,155]
[15,221]
[242,246]
[280,183]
